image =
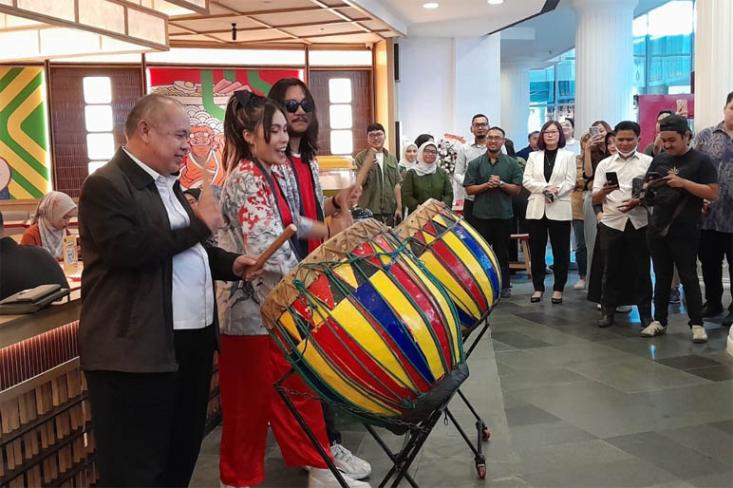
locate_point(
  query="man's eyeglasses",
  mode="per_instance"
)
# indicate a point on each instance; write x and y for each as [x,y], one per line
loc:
[494,138]
[375,135]
[292,105]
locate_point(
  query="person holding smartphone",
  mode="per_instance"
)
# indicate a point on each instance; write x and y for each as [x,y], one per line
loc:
[690,177]
[621,233]
[550,178]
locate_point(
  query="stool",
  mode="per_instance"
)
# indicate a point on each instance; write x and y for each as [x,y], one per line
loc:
[527,263]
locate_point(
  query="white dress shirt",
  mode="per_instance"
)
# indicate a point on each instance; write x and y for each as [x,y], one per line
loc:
[626,169]
[193,290]
[466,154]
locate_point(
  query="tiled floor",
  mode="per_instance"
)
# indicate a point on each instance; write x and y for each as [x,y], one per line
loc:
[570,405]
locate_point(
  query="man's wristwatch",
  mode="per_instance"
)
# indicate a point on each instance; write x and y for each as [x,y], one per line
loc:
[501,184]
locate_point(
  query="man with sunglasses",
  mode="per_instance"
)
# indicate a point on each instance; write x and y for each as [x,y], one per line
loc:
[381,188]
[303,190]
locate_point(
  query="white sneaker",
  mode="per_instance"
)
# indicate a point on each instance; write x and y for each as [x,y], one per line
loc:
[350,465]
[624,308]
[598,306]
[654,329]
[699,335]
[324,478]
[580,285]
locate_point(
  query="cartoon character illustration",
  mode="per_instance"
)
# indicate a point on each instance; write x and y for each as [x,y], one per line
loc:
[205,153]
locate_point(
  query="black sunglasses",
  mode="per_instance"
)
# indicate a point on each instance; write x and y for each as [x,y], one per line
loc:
[292,105]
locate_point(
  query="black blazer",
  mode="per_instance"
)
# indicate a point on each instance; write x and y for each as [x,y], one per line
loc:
[127,314]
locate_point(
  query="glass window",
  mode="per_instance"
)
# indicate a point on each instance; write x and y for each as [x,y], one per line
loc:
[97,89]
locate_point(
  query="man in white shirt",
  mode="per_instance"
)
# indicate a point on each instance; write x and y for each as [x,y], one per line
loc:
[622,232]
[148,325]
[466,154]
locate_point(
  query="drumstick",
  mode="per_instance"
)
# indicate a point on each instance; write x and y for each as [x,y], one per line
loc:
[281,239]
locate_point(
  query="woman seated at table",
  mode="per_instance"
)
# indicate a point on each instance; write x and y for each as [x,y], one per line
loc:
[50,222]
[425,180]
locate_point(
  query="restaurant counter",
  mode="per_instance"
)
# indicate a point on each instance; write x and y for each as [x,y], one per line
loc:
[46,433]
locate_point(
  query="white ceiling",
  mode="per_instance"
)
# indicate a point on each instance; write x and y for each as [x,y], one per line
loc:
[544,37]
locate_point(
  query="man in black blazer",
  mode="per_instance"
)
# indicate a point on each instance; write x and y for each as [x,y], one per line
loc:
[148,323]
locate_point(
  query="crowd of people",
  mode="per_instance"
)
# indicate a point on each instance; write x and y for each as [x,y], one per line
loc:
[170,276]
[633,213]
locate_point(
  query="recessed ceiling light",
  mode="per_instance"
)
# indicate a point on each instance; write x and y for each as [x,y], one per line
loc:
[496,2]
[430,5]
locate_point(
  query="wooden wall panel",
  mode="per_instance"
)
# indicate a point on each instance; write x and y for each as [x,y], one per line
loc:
[67,118]
[362,104]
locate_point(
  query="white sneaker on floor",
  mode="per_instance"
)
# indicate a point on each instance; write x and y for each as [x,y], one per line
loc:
[350,465]
[699,335]
[324,478]
[580,285]
[654,329]
[624,308]
[598,306]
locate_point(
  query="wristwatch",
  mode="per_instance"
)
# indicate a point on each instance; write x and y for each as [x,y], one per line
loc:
[501,184]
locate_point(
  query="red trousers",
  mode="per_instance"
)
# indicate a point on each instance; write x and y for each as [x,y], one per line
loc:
[248,368]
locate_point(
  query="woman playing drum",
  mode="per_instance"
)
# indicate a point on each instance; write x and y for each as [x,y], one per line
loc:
[256,213]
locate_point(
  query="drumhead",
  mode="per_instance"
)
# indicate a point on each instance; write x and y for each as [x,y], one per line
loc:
[417,220]
[334,249]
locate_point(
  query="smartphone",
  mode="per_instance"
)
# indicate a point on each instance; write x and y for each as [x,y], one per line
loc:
[653,175]
[594,131]
[612,178]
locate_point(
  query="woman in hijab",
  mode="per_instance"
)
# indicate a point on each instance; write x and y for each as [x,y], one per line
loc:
[49,225]
[409,158]
[426,180]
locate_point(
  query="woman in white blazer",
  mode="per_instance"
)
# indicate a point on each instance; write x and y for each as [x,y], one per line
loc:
[550,178]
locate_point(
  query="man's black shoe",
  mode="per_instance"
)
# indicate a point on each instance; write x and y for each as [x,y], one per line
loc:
[710,310]
[728,319]
[606,320]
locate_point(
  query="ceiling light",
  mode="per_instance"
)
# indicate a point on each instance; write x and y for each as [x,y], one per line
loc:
[496,2]
[430,5]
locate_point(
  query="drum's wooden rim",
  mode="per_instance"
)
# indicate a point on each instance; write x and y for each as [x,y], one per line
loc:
[417,220]
[334,249]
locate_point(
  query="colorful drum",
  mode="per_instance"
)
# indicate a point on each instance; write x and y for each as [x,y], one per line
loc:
[369,329]
[458,256]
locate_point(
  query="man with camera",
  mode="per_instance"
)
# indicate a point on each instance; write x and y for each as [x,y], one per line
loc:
[622,233]
[678,181]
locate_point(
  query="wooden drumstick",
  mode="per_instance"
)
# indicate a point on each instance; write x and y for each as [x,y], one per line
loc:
[281,239]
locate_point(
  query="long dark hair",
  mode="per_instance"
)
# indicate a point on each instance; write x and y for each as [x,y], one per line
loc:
[309,142]
[245,111]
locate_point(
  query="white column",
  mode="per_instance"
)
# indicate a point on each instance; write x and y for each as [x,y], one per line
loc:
[713,60]
[445,81]
[515,102]
[604,64]
[477,81]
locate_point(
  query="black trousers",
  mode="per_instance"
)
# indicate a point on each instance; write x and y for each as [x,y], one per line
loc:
[668,252]
[559,231]
[623,250]
[468,213]
[148,427]
[496,233]
[519,209]
[334,435]
[714,246]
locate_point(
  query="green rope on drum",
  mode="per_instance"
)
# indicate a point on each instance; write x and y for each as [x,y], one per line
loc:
[314,306]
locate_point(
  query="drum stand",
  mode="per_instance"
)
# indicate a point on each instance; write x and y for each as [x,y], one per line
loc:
[415,437]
